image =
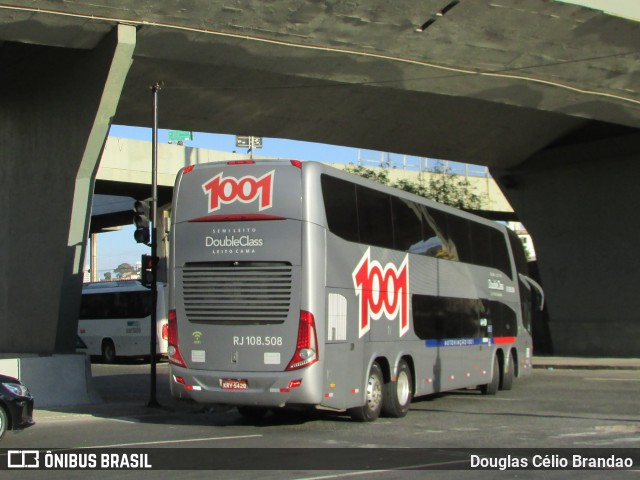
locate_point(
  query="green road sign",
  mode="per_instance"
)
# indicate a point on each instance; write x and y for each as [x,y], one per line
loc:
[179,136]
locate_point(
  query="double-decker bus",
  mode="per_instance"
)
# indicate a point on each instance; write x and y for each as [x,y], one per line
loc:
[297,284]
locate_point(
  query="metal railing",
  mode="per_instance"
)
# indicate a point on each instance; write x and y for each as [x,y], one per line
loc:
[421,164]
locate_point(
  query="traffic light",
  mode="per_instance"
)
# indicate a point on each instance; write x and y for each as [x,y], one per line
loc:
[146,270]
[141,221]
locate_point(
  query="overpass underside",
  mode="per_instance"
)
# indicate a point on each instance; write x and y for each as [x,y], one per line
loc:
[545,94]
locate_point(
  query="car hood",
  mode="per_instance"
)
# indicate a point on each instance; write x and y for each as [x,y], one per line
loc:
[8,379]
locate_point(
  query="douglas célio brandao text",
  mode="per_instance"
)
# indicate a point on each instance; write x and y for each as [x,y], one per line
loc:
[550,461]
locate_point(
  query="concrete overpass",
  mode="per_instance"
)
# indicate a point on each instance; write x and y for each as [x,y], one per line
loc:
[545,93]
[125,170]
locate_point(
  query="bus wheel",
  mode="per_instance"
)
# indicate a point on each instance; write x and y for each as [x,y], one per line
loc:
[253,413]
[108,351]
[373,405]
[397,395]
[508,374]
[491,388]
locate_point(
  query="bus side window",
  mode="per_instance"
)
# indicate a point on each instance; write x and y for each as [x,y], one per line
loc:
[374,217]
[499,252]
[340,207]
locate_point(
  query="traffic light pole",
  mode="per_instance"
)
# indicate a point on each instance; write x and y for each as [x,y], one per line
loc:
[153,401]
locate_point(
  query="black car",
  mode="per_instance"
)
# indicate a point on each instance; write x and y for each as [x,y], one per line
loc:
[16,405]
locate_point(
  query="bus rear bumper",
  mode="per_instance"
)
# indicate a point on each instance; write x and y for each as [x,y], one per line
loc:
[268,389]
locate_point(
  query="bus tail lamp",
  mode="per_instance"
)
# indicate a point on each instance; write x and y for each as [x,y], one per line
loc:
[307,347]
[173,352]
[296,163]
[165,331]
[241,162]
[239,217]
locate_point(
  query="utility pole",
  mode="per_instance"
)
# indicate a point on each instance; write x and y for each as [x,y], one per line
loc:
[153,401]
[94,257]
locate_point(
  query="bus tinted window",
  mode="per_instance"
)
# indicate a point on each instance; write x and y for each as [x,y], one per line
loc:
[437,220]
[518,254]
[413,229]
[440,318]
[340,207]
[500,254]
[374,217]
[502,318]
[481,244]
[115,305]
[407,225]
[459,235]
[365,215]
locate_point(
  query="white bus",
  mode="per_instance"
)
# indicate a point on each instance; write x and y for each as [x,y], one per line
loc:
[114,320]
[298,284]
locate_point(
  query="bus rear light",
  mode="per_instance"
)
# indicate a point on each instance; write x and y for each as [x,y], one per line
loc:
[173,352]
[188,169]
[241,162]
[179,380]
[165,331]
[296,163]
[246,217]
[307,347]
[295,383]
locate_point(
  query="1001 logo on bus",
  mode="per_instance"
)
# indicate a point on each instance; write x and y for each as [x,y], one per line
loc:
[382,291]
[224,190]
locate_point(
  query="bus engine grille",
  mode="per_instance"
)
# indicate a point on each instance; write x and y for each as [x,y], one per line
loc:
[237,292]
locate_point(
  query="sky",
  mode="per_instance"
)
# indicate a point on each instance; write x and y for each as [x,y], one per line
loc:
[116,248]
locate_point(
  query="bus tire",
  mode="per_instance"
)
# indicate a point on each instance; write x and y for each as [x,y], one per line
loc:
[370,411]
[108,351]
[491,388]
[508,374]
[397,395]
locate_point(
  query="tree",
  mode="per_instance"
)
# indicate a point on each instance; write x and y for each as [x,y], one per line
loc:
[377,175]
[124,270]
[441,186]
[107,276]
[417,188]
[453,190]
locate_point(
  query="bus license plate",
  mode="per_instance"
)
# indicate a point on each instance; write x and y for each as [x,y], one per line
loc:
[233,384]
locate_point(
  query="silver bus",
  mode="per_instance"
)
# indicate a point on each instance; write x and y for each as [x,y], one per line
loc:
[296,284]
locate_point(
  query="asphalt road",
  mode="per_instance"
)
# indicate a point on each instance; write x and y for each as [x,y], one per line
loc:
[561,408]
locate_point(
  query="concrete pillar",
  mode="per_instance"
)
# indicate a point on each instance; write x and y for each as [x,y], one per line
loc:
[55,115]
[580,203]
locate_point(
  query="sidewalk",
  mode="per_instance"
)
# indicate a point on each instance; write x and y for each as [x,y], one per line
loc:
[578,363]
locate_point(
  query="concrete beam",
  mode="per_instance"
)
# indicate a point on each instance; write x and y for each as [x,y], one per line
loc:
[55,121]
[579,203]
